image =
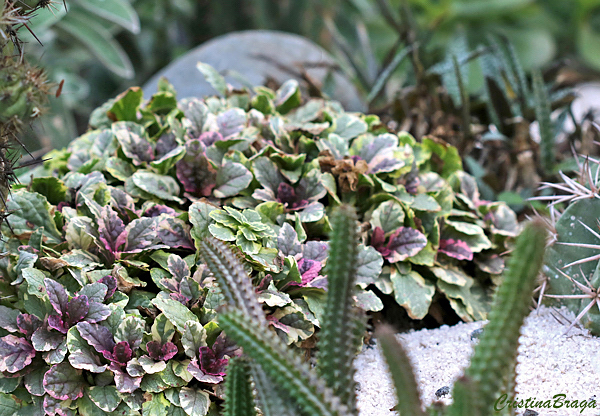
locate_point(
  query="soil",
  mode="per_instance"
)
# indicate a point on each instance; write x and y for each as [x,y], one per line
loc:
[549,363]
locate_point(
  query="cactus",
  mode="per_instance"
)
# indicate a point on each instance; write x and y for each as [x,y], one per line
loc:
[23,90]
[570,276]
[474,394]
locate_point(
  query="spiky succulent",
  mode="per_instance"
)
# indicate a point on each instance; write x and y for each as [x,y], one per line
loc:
[571,274]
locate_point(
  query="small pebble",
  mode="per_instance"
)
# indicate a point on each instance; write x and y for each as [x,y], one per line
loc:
[442,392]
[475,334]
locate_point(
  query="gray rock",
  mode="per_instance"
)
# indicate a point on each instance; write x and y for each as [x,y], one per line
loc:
[258,55]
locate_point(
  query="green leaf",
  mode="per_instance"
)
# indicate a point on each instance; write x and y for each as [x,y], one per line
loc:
[175,312]
[9,406]
[213,77]
[35,282]
[99,40]
[162,329]
[412,292]
[424,202]
[388,216]
[231,179]
[117,11]
[453,276]
[349,126]
[105,397]
[194,402]
[199,213]
[30,211]
[288,96]
[156,406]
[221,232]
[162,186]
[368,301]
[369,264]
[52,188]
[127,104]
[119,168]
[193,337]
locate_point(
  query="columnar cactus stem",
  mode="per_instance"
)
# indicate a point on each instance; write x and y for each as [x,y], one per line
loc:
[494,356]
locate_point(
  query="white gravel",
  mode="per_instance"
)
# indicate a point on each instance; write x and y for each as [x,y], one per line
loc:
[549,363]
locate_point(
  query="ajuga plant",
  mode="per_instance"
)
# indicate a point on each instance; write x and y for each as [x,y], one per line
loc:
[328,389]
[571,274]
[105,304]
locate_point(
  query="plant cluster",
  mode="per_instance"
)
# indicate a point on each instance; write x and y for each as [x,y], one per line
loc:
[285,385]
[105,302]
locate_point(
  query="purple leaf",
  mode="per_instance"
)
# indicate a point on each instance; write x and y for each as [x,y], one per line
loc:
[210,364]
[309,270]
[56,322]
[208,138]
[174,233]
[98,336]
[52,406]
[382,163]
[165,144]
[200,375]
[224,346]
[15,353]
[160,352]
[44,340]
[140,234]
[28,324]
[121,353]
[95,292]
[195,171]
[178,267]
[157,209]
[64,382]
[457,249]
[287,241]
[404,242]
[97,312]
[378,241]
[315,250]
[231,121]
[58,295]
[77,309]
[377,146]
[110,228]
[286,194]
[123,381]
[111,284]
[86,361]
[131,136]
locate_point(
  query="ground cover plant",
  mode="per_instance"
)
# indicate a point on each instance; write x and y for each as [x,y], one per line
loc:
[106,305]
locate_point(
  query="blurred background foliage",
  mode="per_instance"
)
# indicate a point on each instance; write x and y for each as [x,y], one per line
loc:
[99,48]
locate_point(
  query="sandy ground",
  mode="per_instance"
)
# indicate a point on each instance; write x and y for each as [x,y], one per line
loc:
[549,363]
